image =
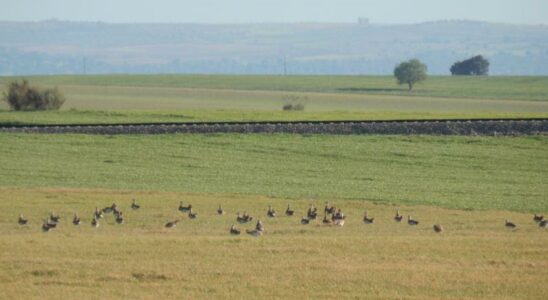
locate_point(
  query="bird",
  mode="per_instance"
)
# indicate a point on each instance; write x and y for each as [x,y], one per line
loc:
[329,209]
[183,208]
[305,221]
[246,217]
[119,218]
[410,221]
[134,205]
[94,222]
[22,220]
[171,224]
[289,211]
[338,215]
[312,212]
[543,224]
[538,218]
[368,220]
[76,220]
[191,214]
[325,219]
[51,223]
[254,232]
[271,212]
[239,218]
[45,226]
[110,209]
[98,214]
[437,228]
[398,217]
[259,226]
[234,230]
[509,224]
[220,211]
[54,218]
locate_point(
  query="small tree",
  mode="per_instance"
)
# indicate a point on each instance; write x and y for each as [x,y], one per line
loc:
[22,96]
[476,65]
[410,72]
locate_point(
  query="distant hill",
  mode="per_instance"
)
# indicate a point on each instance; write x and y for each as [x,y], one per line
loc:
[57,47]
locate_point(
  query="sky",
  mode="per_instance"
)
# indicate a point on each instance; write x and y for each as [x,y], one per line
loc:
[531,12]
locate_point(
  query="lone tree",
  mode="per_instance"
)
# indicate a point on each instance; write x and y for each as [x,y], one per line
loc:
[410,72]
[476,65]
[22,96]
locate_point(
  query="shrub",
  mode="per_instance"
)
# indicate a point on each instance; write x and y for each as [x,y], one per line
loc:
[22,96]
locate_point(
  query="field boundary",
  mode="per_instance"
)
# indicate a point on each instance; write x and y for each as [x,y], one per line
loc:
[492,127]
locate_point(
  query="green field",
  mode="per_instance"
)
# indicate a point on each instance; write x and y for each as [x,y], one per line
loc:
[179,98]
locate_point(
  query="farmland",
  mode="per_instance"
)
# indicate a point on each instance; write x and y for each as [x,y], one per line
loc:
[469,184]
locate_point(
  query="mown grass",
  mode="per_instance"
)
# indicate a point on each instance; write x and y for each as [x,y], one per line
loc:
[163,98]
[504,173]
[475,258]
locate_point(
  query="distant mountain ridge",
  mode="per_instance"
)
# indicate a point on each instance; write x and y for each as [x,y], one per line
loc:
[59,47]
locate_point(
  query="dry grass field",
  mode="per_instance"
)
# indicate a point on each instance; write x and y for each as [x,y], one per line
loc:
[476,257]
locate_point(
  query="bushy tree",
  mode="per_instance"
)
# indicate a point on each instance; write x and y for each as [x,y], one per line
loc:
[410,72]
[476,65]
[22,96]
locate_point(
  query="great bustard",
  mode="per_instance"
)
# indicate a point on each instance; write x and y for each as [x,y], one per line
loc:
[54,218]
[543,224]
[94,222]
[22,220]
[76,220]
[171,224]
[312,212]
[134,205]
[119,218]
[234,230]
[254,232]
[271,213]
[367,219]
[191,214]
[410,221]
[98,214]
[538,218]
[259,226]
[305,221]
[183,208]
[289,211]
[220,211]
[329,209]
[46,226]
[509,224]
[398,217]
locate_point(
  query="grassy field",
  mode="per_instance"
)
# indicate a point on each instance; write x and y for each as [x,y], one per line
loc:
[456,172]
[157,98]
[474,258]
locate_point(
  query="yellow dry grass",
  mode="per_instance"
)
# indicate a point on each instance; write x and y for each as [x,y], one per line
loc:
[476,257]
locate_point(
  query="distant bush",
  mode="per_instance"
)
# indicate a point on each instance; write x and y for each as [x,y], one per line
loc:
[299,106]
[22,96]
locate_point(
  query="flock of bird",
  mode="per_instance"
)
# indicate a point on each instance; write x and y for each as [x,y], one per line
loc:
[331,216]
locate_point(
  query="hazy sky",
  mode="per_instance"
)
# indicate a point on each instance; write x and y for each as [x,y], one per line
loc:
[245,11]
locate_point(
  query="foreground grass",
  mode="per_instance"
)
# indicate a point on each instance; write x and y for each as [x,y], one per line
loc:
[506,173]
[475,258]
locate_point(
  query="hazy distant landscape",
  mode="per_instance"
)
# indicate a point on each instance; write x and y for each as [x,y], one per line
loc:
[57,47]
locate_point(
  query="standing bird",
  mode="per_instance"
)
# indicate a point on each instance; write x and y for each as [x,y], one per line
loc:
[184,208]
[119,218]
[259,226]
[312,212]
[538,218]
[22,220]
[234,230]
[220,211]
[109,209]
[329,209]
[98,214]
[54,218]
[134,205]
[171,224]
[247,217]
[412,222]
[94,222]
[543,224]
[271,212]
[398,217]
[76,220]
[288,211]
[46,226]
[509,224]
[367,219]
[437,228]
[305,221]
[191,214]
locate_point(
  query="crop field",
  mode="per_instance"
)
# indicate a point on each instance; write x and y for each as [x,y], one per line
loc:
[179,98]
